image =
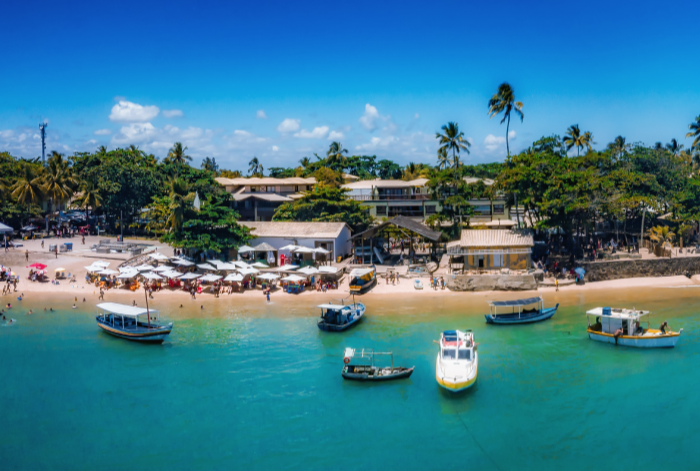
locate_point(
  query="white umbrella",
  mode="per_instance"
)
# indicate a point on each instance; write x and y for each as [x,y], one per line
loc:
[241,264]
[290,247]
[322,250]
[234,277]
[108,272]
[211,278]
[293,278]
[127,275]
[227,267]
[145,267]
[94,268]
[158,256]
[162,268]
[184,263]
[260,265]
[304,250]
[268,276]
[325,269]
[171,274]
[248,271]
[151,276]
[206,266]
[308,270]
[190,276]
[245,248]
[5,228]
[215,263]
[100,263]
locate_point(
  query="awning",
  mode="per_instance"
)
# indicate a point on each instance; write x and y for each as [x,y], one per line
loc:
[124,310]
[516,302]
[234,277]
[357,272]
[211,278]
[294,278]
[190,276]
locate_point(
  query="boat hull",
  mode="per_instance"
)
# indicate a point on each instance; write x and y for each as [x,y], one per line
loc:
[150,336]
[504,319]
[362,289]
[326,327]
[655,341]
[402,374]
[459,384]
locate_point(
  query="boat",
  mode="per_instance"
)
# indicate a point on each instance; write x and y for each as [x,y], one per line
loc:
[122,320]
[457,362]
[362,279]
[623,327]
[521,316]
[417,284]
[371,372]
[339,317]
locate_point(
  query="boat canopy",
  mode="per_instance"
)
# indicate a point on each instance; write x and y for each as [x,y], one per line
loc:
[335,307]
[617,313]
[124,309]
[358,272]
[516,302]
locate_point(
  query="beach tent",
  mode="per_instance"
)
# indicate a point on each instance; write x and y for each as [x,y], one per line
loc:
[158,256]
[127,275]
[259,265]
[94,268]
[190,276]
[100,263]
[171,274]
[308,270]
[5,228]
[241,264]
[245,248]
[151,276]
[206,266]
[60,270]
[325,269]
[304,250]
[144,267]
[248,271]
[268,276]
[294,278]
[227,267]
[108,271]
[289,248]
[237,277]
[211,278]
[181,262]
[162,268]
[321,250]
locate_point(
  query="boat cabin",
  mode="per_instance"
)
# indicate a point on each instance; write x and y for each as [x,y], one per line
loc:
[132,322]
[335,313]
[456,345]
[362,279]
[538,303]
[610,320]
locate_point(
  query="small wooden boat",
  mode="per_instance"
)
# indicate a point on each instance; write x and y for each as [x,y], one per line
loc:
[623,327]
[339,317]
[457,363]
[121,320]
[371,372]
[362,279]
[521,316]
[417,284]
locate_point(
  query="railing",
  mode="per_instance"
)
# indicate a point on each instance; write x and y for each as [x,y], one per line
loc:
[390,197]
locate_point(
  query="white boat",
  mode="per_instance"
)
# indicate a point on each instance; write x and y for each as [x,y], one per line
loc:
[417,284]
[457,361]
[623,327]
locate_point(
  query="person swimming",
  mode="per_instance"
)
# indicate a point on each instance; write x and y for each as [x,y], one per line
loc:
[74,306]
[31,312]
[9,306]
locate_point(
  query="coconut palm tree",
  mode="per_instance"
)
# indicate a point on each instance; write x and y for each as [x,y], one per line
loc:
[305,162]
[443,159]
[587,140]
[176,154]
[619,147]
[89,197]
[658,146]
[662,235]
[504,102]
[452,139]
[574,138]
[695,132]
[59,182]
[674,148]
[29,188]
[334,156]
[256,167]
[102,150]
[178,203]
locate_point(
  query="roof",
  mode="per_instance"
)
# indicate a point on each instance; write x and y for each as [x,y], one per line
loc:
[516,302]
[495,238]
[404,222]
[333,306]
[253,181]
[494,223]
[486,181]
[379,183]
[295,230]
[262,196]
[124,309]
[264,247]
[349,176]
[617,313]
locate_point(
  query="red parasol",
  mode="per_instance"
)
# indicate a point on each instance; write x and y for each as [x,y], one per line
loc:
[39,266]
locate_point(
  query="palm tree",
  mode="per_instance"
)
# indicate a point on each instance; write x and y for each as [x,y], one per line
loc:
[28,188]
[305,162]
[504,102]
[89,197]
[453,139]
[695,132]
[587,140]
[662,235]
[102,150]
[256,167]
[176,154]
[658,146]
[59,182]
[618,147]
[443,159]
[674,148]
[178,204]
[334,156]
[573,138]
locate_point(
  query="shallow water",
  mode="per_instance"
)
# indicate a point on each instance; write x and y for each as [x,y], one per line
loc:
[260,387]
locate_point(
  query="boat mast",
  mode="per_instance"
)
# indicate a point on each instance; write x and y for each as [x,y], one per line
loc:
[148,313]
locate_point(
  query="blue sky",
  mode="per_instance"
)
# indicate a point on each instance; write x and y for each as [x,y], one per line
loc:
[279,80]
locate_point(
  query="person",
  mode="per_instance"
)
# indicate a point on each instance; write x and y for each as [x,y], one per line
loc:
[26,255]
[180,306]
[102,294]
[42,244]
[268,295]
[44,309]
[83,239]
[134,302]
[201,307]
[30,312]
[556,283]
[56,251]
[74,306]
[617,334]
[50,309]
[83,299]
[663,327]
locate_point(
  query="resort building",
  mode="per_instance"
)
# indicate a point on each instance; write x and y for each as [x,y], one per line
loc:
[257,199]
[331,236]
[491,249]
[390,198]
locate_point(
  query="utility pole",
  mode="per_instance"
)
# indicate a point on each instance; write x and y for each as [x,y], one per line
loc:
[42,128]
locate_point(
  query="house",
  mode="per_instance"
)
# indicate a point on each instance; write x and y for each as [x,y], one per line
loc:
[257,199]
[492,249]
[332,236]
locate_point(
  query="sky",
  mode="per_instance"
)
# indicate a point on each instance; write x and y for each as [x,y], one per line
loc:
[281,80]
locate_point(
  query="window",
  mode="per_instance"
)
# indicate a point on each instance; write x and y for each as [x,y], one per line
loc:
[465,354]
[253,189]
[449,354]
[482,209]
[498,209]
[498,260]
[430,209]
[381,210]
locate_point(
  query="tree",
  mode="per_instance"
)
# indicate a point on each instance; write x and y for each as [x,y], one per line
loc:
[29,187]
[674,148]
[334,156]
[89,197]
[209,165]
[619,147]
[230,174]
[574,138]
[504,102]
[443,159]
[255,167]
[587,140]
[662,235]
[329,177]
[453,140]
[176,154]
[58,181]
[305,162]
[695,132]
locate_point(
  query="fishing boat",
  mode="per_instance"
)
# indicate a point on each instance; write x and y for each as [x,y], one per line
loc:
[521,316]
[371,372]
[623,327]
[457,362]
[362,279]
[339,317]
[417,284]
[125,321]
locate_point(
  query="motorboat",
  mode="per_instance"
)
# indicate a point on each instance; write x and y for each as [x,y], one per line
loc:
[457,362]
[371,372]
[124,321]
[417,284]
[362,279]
[518,315]
[339,317]
[624,327]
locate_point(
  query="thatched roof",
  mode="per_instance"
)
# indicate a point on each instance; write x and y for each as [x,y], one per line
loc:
[295,230]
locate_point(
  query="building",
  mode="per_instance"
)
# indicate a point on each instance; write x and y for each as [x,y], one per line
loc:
[257,199]
[492,249]
[332,236]
[390,198]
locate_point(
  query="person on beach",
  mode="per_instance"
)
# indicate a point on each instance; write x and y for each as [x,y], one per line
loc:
[26,255]
[556,283]
[42,244]
[102,294]
[134,302]
[268,296]
[56,250]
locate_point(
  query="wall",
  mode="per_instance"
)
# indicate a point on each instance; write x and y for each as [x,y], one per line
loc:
[615,270]
[491,282]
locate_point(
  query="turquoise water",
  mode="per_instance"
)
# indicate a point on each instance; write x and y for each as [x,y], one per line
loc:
[260,387]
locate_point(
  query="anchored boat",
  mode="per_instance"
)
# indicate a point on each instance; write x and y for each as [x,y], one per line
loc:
[339,317]
[623,327]
[457,362]
[126,322]
[371,372]
[362,279]
[519,316]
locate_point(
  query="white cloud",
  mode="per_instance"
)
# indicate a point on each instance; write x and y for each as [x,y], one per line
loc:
[289,125]
[336,136]
[173,113]
[92,141]
[261,114]
[128,112]
[275,148]
[317,133]
[370,118]
[511,135]
[377,142]
[135,133]
[497,144]
[103,132]
[416,116]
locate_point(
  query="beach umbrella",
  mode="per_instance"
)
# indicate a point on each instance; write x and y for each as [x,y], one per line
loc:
[171,274]
[184,263]
[227,267]
[241,264]
[151,276]
[321,250]
[38,266]
[127,275]
[108,272]
[248,271]
[260,265]
[190,276]
[162,268]
[60,270]
[94,268]
[28,228]
[158,256]
[211,277]
[234,277]
[245,248]
[304,250]
[100,263]
[290,247]
[145,267]
[206,266]
[308,270]
[294,278]
[5,228]
[268,276]
[325,269]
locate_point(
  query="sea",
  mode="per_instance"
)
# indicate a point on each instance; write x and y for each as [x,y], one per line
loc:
[252,385]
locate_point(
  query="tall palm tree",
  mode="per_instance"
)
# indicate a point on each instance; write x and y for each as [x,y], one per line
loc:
[334,156]
[452,139]
[619,147]
[102,150]
[674,148]
[178,203]
[305,162]
[695,132]
[256,167]
[573,138]
[59,182]
[587,140]
[504,102]
[176,154]
[658,146]
[443,159]
[89,197]
[28,187]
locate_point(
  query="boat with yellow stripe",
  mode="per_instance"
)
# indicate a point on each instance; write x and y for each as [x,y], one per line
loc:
[124,321]
[624,327]
[457,363]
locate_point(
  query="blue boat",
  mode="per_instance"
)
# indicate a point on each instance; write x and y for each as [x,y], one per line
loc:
[518,315]
[121,320]
[339,317]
